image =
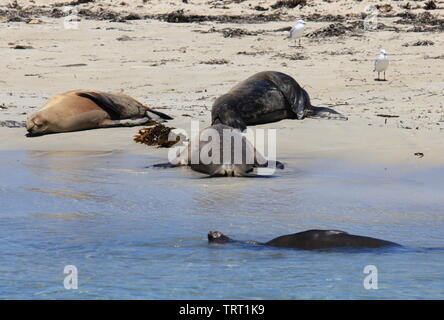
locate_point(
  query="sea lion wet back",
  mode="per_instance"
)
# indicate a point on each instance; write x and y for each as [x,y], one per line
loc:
[266,97]
[80,110]
[221,150]
[312,239]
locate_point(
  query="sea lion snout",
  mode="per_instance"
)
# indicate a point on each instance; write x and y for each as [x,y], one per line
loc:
[227,170]
[36,124]
[217,237]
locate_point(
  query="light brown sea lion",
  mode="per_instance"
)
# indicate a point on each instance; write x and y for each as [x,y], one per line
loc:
[80,110]
[231,155]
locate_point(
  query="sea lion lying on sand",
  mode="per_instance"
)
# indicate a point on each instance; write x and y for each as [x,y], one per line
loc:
[215,153]
[80,110]
[312,239]
[266,97]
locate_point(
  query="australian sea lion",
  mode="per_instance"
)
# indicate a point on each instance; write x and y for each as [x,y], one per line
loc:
[220,150]
[80,110]
[266,97]
[312,239]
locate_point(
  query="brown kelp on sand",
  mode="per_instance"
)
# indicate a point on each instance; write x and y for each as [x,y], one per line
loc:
[156,135]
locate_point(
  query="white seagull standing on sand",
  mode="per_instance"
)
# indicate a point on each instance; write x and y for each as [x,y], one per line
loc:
[297,31]
[381,63]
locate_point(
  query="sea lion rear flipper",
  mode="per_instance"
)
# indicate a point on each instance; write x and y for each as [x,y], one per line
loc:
[157,116]
[166,165]
[269,163]
[103,102]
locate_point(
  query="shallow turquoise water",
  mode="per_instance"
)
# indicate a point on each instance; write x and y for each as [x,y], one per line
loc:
[140,233]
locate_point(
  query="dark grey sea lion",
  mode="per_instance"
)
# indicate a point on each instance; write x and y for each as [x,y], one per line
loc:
[232,155]
[80,110]
[312,239]
[266,97]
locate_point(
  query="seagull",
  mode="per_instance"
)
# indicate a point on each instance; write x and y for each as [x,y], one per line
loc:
[297,31]
[381,63]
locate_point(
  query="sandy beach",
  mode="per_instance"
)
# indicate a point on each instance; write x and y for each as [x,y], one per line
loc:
[183,67]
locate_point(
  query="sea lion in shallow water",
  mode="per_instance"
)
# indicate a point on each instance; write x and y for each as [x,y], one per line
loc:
[266,97]
[239,158]
[312,239]
[81,110]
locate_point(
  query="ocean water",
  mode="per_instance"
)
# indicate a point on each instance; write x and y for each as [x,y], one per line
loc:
[137,232]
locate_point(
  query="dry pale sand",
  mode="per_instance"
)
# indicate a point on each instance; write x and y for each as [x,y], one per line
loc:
[172,66]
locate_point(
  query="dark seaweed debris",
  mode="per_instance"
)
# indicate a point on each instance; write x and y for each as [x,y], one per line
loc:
[359,25]
[156,136]
[20,46]
[18,14]
[384,7]
[292,56]
[289,4]
[324,18]
[430,5]
[236,32]
[230,32]
[332,30]
[419,43]
[12,124]
[423,22]
[179,16]
[215,61]
[72,3]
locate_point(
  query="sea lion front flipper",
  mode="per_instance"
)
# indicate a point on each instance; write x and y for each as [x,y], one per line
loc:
[301,104]
[103,102]
[231,119]
[107,123]
[326,113]
[166,165]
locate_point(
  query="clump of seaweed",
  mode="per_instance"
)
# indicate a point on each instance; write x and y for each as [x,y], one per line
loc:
[430,5]
[420,43]
[289,4]
[156,136]
[12,124]
[423,22]
[291,56]
[230,32]
[332,30]
[236,32]
[215,61]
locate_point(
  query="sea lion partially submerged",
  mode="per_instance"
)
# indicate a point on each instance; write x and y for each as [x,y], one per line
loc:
[266,97]
[312,239]
[80,110]
[220,150]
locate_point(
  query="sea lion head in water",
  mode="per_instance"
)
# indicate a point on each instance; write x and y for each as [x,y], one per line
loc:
[221,150]
[312,239]
[266,97]
[81,110]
